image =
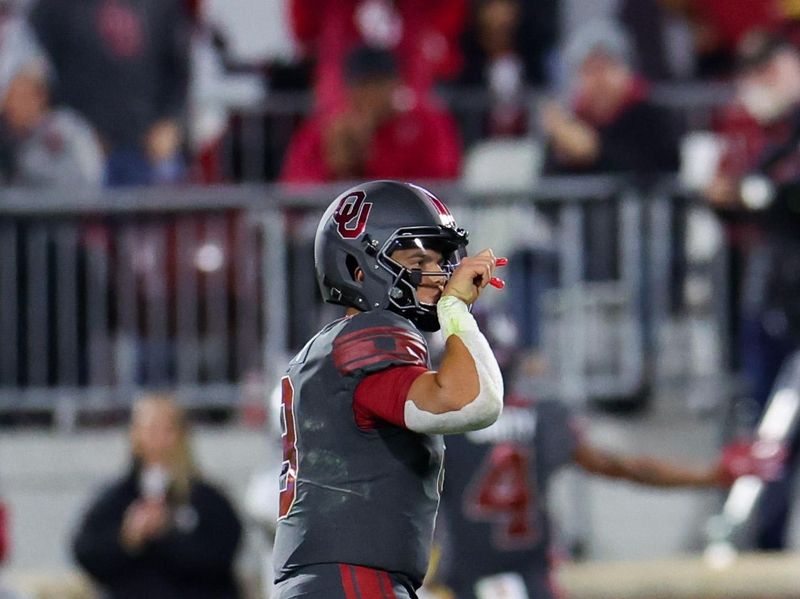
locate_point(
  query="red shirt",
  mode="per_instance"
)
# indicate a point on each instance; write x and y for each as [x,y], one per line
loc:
[421,143]
[381,397]
[746,142]
[423,35]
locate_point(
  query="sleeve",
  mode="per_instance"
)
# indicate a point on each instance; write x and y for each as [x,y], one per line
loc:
[375,341]
[96,545]
[209,549]
[381,397]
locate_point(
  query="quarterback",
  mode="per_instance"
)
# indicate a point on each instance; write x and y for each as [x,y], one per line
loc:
[363,412]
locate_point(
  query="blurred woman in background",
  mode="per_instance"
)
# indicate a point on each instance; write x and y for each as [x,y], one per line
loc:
[160,531]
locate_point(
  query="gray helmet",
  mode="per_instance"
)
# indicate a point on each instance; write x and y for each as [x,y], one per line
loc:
[363,226]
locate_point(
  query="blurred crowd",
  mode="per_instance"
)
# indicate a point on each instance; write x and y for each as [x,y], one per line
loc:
[118,92]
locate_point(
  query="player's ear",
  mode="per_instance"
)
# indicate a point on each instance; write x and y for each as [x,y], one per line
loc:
[355,270]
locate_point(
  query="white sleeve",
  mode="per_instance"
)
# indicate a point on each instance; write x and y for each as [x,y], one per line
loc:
[455,319]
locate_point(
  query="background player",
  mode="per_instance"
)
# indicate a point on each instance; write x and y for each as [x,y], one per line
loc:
[495,500]
[361,409]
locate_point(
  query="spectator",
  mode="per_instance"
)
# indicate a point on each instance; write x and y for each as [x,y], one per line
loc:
[124,65]
[385,131]
[494,62]
[160,530]
[718,26]
[755,191]
[422,35]
[605,129]
[611,127]
[498,536]
[216,83]
[40,145]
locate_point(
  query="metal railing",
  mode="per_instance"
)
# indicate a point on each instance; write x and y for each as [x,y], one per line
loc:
[107,293]
[206,291]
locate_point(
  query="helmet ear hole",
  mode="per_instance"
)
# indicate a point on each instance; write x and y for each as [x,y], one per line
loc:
[351,262]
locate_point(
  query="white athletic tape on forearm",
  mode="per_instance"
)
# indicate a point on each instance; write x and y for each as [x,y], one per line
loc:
[455,319]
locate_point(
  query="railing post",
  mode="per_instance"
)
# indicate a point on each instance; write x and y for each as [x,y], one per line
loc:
[9,306]
[37,299]
[632,277]
[275,293]
[572,317]
[66,294]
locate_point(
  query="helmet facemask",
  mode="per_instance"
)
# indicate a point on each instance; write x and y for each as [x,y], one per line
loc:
[403,296]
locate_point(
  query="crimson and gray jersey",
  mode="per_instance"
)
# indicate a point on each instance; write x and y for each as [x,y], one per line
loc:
[349,495]
[495,496]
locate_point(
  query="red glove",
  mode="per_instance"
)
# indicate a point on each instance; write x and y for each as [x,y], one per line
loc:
[764,459]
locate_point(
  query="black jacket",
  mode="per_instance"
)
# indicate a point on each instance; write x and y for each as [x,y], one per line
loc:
[194,559]
[642,140]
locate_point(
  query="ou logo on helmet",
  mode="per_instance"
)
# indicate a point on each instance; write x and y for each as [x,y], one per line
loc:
[351,215]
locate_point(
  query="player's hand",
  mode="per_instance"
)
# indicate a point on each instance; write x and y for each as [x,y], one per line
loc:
[471,276]
[143,520]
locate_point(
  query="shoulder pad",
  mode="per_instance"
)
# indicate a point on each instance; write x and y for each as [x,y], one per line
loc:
[374,341]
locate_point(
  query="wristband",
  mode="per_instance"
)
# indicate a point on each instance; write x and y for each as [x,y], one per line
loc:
[454,316]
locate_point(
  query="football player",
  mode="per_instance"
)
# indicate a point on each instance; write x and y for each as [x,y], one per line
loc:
[362,411]
[497,541]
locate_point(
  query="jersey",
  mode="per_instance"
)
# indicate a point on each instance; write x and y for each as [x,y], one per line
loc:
[348,495]
[496,493]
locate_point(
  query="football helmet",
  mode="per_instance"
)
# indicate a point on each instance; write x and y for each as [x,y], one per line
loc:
[363,227]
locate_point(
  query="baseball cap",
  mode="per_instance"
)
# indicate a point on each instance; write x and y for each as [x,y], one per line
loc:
[606,36]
